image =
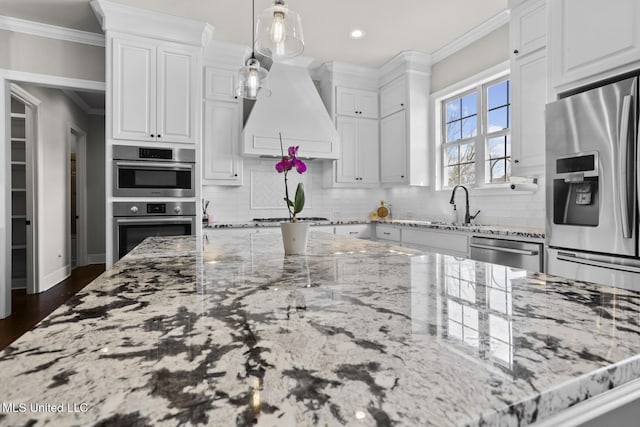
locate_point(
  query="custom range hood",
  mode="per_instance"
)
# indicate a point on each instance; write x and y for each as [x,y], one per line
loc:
[295,110]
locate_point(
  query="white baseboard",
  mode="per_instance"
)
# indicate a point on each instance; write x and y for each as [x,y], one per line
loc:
[96,258]
[55,277]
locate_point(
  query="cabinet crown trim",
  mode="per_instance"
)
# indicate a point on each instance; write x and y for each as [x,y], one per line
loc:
[147,23]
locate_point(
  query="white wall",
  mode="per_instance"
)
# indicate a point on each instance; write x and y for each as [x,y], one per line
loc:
[478,56]
[25,52]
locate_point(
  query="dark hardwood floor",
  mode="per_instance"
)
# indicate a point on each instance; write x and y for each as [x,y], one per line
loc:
[28,310]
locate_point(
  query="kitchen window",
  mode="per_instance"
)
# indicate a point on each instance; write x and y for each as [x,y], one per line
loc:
[476,135]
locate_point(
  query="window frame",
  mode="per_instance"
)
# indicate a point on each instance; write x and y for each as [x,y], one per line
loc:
[489,77]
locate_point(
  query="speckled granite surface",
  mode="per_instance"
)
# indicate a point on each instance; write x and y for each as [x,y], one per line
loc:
[353,333]
[497,230]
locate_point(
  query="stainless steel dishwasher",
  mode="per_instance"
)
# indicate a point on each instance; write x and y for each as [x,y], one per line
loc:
[524,255]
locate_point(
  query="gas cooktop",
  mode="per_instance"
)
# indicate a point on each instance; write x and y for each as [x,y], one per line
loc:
[309,218]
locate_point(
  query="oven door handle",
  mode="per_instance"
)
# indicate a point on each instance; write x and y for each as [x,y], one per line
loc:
[156,165]
[155,220]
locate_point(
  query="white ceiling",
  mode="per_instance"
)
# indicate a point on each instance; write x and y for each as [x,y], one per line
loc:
[391,25]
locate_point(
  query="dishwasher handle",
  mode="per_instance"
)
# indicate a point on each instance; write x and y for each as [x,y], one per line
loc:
[503,249]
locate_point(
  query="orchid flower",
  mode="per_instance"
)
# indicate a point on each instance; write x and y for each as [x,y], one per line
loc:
[287,163]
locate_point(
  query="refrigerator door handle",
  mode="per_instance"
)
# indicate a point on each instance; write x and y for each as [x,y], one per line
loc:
[593,261]
[622,167]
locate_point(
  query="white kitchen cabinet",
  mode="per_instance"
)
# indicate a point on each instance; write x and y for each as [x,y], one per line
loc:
[220,84]
[393,148]
[155,90]
[222,164]
[444,242]
[359,159]
[528,27]
[404,100]
[360,231]
[387,232]
[393,96]
[592,39]
[357,102]
[528,99]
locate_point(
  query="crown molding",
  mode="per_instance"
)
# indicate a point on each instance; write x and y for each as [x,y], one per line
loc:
[471,36]
[9,23]
[147,23]
[225,54]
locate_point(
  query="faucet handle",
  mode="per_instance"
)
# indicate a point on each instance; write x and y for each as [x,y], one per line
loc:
[474,216]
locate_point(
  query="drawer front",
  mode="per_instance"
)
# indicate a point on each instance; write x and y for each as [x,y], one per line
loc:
[361,231]
[384,232]
[444,242]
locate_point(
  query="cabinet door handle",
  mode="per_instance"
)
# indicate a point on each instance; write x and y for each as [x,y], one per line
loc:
[516,161]
[235,174]
[386,233]
[515,51]
[402,105]
[401,176]
[152,136]
[159,136]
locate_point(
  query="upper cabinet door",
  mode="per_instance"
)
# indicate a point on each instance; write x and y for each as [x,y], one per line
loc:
[134,90]
[393,97]
[221,161]
[356,102]
[346,101]
[393,148]
[368,104]
[220,84]
[591,40]
[346,165]
[177,89]
[368,151]
[528,27]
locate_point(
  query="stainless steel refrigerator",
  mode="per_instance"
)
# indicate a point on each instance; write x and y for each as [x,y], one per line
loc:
[591,185]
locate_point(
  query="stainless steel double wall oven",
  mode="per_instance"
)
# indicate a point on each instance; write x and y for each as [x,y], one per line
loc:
[159,187]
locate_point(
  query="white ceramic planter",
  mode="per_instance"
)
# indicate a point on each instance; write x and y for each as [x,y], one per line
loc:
[294,237]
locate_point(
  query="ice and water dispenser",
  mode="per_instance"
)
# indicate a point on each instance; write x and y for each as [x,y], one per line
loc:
[575,190]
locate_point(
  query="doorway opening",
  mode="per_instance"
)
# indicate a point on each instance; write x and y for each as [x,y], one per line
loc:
[77,196]
[22,135]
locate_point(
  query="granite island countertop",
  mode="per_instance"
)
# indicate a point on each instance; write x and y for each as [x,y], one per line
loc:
[492,229]
[354,333]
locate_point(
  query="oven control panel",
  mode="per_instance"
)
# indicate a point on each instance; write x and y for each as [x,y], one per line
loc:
[142,209]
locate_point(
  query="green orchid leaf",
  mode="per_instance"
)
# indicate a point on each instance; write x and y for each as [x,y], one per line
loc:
[299,199]
[289,202]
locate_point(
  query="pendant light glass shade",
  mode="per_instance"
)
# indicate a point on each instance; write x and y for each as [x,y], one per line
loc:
[279,32]
[252,80]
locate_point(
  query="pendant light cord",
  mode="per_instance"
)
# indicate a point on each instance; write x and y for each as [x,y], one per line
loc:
[253,29]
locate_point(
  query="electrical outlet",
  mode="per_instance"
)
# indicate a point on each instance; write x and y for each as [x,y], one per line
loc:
[409,214]
[337,214]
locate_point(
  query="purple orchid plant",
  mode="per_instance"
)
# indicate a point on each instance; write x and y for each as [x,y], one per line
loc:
[288,162]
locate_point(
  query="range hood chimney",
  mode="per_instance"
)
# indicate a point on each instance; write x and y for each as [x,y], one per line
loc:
[295,110]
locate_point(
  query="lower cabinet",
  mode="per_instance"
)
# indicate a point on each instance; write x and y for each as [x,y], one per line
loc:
[388,232]
[444,242]
[361,231]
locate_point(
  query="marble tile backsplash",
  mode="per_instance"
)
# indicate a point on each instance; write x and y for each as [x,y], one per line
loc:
[262,195]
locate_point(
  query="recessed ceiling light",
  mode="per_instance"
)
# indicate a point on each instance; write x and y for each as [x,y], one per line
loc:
[357,34]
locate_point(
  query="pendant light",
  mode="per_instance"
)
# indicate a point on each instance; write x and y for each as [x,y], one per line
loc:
[279,32]
[252,78]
